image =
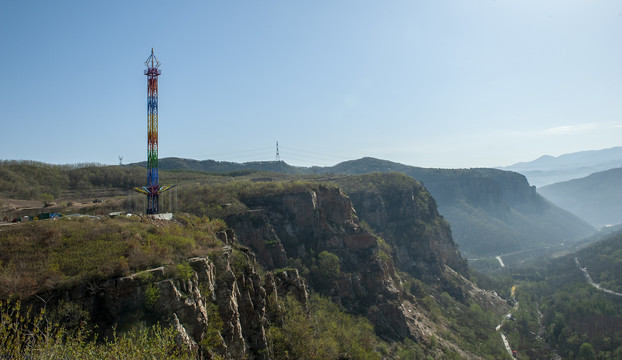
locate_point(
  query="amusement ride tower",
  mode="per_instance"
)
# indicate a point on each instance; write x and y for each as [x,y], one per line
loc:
[153,188]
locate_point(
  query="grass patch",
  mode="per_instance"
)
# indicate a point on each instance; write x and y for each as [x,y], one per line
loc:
[47,254]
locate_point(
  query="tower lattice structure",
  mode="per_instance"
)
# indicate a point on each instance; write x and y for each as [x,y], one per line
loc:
[153,188]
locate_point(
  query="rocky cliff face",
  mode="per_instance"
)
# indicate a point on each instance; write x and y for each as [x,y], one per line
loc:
[403,212]
[292,229]
[299,226]
[223,291]
[493,190]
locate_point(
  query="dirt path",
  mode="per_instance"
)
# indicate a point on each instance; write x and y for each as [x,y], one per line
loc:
[500,261]
[594,284]
[506,343]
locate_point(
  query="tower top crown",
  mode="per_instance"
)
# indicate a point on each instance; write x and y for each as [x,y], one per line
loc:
[152,61]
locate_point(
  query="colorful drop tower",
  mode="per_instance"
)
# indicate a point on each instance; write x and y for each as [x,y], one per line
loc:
[153,188]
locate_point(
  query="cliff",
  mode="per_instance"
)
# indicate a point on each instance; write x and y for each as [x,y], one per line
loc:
[491,211]
[403,212]
[301,226]
[391,262]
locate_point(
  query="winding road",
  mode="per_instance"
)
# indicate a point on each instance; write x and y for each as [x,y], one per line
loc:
[508,348]
[594,284]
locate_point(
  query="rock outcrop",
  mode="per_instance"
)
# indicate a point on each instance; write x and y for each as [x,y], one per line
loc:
[224,288]
[306,223]
[402,211]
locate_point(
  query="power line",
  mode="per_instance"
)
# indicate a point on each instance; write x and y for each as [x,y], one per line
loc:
[244,151]
[292,155]
[311,155]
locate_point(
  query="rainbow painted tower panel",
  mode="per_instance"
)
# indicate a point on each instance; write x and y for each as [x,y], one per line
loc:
[153,184]
[153,188]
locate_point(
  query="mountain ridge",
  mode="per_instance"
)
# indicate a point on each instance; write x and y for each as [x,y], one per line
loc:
[548,169]
[491,211]
[595,198]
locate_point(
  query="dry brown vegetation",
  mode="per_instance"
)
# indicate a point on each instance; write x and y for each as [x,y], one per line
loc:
[43,255]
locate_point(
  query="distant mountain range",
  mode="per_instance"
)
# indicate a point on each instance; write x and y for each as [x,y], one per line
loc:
[596,198]
[491,211]
[548,170]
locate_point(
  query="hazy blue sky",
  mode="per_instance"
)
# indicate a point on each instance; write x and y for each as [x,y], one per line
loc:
[433,83]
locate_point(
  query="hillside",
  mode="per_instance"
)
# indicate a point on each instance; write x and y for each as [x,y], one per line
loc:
[491,211]
[596,198]
[27,180]
[548,170]
[266,268]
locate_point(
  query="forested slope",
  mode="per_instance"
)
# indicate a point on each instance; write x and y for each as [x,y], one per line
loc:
[576,319]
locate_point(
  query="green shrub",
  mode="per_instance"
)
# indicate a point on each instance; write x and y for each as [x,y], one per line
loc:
[239,261]
[431,305]
[384,250]
[326,332]
[144,277]
[47,198]
[329,264]
[212,338]
[184,271]
[69,314]
[152,295]
[27,335]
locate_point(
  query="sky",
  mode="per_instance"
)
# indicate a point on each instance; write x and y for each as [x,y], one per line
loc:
[431,83]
